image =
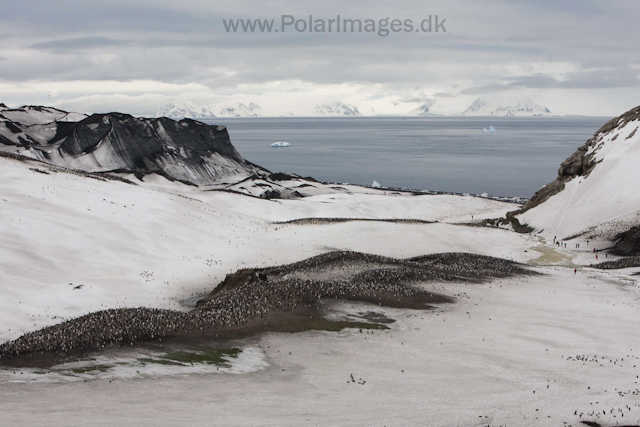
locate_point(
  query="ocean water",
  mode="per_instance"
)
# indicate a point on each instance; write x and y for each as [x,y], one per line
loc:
[431,153]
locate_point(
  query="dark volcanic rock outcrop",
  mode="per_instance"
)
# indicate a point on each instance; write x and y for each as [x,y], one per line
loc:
[627,243]
[188,150]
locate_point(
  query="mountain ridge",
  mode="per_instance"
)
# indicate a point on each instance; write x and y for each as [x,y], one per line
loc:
[186,150]
[336,109]
[184,109]
[239,109]
[521,108]
[423,110]
[480,107]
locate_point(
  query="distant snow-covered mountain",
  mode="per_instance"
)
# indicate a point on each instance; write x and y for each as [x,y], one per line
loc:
[524,108]
[337,109]
[238,110]
[184,109]
[401,109]
[423,109]
[391,109]
[480,107]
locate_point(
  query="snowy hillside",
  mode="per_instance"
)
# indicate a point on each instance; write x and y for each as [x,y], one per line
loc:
[534,350]
[188,150]
[29,124]
[184,109]
[423,110]
[524,108]
[29,115]
[155,242]
[337,109]
[597,192]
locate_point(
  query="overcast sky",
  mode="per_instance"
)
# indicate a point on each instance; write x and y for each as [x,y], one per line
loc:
[573,56]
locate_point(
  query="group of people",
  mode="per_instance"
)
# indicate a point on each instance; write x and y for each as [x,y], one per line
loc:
[562,244]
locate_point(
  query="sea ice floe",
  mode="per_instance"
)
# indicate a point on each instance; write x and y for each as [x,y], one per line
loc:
[280,144]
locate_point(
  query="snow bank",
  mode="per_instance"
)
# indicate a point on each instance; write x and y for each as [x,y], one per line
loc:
[603,202]
[537,351]
[157,244]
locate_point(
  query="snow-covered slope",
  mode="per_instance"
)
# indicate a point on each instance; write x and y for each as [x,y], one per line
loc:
[237,110]
[188,150]
[158,242]
[184,109]
[70,244]
[597,192]
[477,362]
[524,108]
[29,115]
[337,109]
[32,125]
[423,109]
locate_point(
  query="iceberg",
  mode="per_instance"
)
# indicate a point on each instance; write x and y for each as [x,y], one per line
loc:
[280,144]
[376,184]
[491,129]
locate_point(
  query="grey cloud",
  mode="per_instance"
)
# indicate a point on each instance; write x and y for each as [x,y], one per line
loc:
[484,88]
[443,95]
[79,43]
[591,79]
[535,81]
[604,78]
[570,7]
[420,98]
[184,42]
[86,16]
